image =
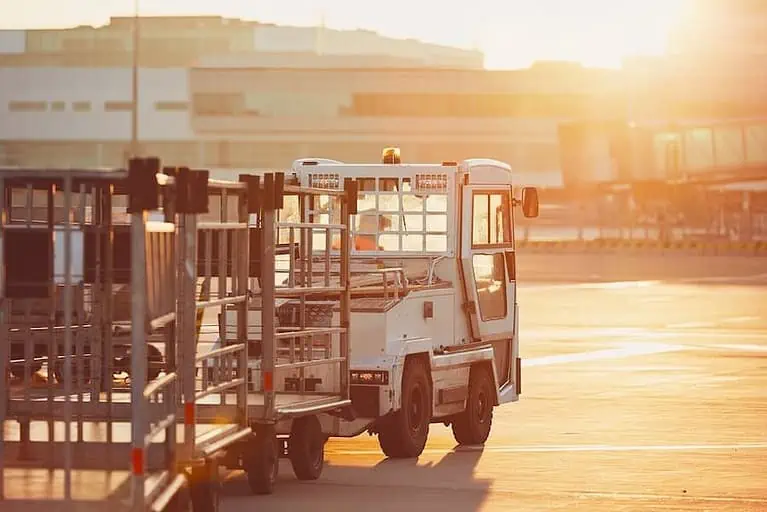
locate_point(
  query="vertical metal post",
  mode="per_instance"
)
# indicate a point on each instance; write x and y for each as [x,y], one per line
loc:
[223,252]
[267,298]
[346,297]
[243,258]
[79,311]
[187,343]
[108,302]
[4,390]
[140,421]
[134,81]
[68,338]
[53,342]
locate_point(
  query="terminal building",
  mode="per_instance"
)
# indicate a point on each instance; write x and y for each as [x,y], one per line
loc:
[224,93]
[233,94]
[266,117]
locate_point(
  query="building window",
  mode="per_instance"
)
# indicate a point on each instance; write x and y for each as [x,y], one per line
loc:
[472,105]
[118,106]
[223,105]
[171,106]
[27,106]
[81,106]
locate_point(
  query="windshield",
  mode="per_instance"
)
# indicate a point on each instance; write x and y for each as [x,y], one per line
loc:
[394,216]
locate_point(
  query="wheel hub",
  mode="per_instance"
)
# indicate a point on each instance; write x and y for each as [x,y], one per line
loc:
[415,411]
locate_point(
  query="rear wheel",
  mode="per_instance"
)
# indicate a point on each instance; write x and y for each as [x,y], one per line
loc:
[80,369]
[404,433]
[154,362]
[306,448]
[17,370]
[473,425]
[261,460]
[180,502]
[204,489]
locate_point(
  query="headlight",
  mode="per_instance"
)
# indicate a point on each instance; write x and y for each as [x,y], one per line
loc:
[370,377]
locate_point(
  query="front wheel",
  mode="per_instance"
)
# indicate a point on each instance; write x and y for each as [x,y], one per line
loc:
[403,434]
[473,425]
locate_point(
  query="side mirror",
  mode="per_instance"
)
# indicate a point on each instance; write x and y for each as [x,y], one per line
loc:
[530,202]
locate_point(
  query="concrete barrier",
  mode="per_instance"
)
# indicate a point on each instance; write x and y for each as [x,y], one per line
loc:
[695,247]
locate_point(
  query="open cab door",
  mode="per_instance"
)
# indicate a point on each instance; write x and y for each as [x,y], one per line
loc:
[489,270]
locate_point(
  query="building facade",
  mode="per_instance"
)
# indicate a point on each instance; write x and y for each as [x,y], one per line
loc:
[266,117]
[222,93]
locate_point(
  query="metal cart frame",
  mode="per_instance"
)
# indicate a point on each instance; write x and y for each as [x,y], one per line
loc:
[164,440]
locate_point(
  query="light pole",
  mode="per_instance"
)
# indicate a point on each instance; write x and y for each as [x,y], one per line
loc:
[134,149]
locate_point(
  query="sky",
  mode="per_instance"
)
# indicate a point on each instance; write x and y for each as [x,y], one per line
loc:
[511,33]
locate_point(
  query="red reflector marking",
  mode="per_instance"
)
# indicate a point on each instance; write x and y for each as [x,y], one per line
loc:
[137,461]
[268,381]
[189,413]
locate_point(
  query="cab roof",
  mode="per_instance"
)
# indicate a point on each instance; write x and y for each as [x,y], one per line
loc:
[477,170]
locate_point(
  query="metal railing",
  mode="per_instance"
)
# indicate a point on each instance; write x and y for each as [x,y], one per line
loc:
[215,251]
[54,312]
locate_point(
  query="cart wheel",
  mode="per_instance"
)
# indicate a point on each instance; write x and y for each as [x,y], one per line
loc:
[306,448]
[204,489]
[261,460]
[154,359]
[17,370]
[180,502]
[58,372]
[154,362]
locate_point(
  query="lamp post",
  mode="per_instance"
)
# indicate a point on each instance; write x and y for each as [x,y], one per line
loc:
[134,149]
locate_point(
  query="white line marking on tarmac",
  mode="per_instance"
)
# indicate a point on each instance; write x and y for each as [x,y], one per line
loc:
[690,325]
[742,347]
[734,280]
[626,350]
[720,279]
[604,285]
[728,334]
[575,448]
[739,319]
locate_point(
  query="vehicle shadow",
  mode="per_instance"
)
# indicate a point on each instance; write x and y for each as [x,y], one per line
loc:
[434,482]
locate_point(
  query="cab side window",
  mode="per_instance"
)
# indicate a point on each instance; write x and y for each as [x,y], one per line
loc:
[491,229]
[491,219]
[490,280]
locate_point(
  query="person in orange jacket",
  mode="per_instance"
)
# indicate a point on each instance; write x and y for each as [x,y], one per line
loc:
[366,242]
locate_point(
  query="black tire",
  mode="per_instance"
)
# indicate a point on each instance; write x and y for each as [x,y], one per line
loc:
[17,370]
[404,433]
[204,490]
[181,502]
[473,425]
[306,448]
[58,372]
[154,362]
[261,461]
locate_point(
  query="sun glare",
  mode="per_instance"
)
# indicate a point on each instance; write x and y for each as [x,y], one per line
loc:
[592,32]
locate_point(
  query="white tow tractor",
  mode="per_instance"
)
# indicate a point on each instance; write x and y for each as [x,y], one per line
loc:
[434,316]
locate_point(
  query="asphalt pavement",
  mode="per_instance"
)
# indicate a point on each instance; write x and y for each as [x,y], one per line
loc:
[644,388]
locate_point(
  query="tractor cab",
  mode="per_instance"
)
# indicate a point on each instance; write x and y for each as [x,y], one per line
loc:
[447,222]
